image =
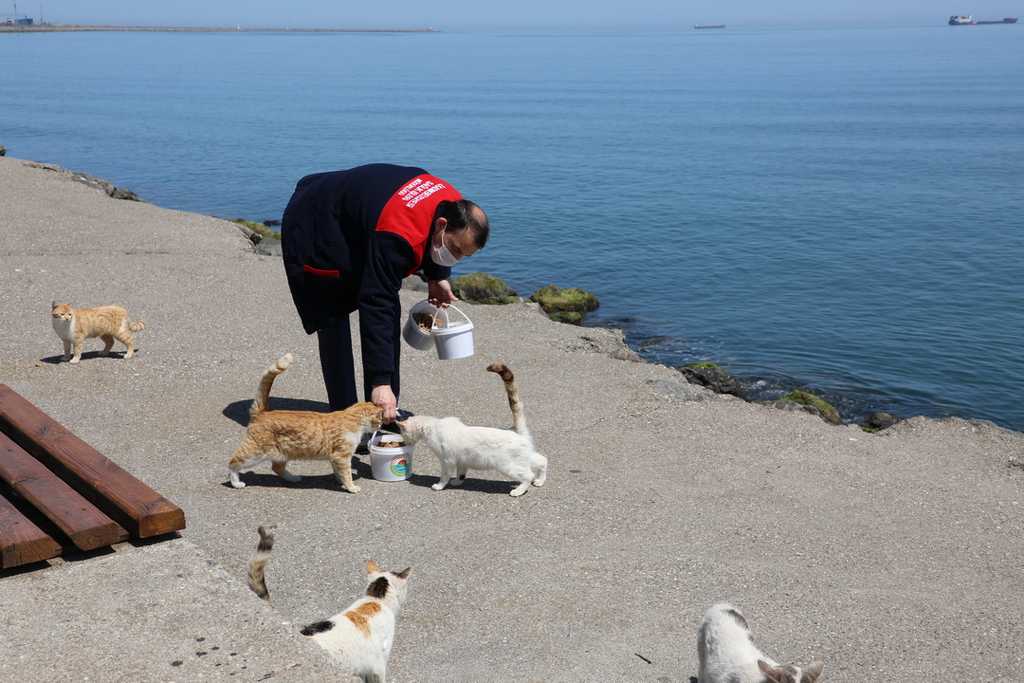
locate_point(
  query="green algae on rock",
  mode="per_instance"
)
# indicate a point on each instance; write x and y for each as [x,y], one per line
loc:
[817,405]
[481,288]
[258,228]
[712,376]
[877,421]
[567,305]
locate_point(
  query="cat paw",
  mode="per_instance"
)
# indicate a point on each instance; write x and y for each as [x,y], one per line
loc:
[538,483]
[518,491]
[74,361]
[353,489]
[238,484]
[438,486]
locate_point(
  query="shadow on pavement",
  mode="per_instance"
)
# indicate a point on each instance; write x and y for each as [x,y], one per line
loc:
[87,355]
[238,411]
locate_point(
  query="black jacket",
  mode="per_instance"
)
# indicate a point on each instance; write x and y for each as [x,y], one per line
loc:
[349,238]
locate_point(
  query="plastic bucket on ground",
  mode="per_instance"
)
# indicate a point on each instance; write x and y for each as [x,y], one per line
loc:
[455,339]
[414,335]
[390,464]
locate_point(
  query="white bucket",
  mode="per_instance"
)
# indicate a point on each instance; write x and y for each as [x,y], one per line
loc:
[390,464]
[455,339]
[414,335]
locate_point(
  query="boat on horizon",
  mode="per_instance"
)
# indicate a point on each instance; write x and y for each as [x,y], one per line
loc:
[968,20]
[701,26]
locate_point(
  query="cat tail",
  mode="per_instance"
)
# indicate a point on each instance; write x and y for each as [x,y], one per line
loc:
[137,326]
[263,393]
[257,579]
[518,418]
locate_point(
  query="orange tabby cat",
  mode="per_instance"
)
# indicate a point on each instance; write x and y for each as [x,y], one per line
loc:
[75,325]
[284,435]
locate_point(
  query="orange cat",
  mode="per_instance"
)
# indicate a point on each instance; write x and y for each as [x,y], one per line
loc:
[75,325]
[284,435]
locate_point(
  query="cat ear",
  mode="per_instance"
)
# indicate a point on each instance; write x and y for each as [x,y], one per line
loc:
[813,670]
[404,574]
[53,304]
[774,674]
[372,567]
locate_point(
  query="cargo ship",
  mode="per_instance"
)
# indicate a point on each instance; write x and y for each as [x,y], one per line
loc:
[700,26]
[968,20]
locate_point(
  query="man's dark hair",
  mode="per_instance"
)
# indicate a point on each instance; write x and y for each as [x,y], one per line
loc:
[464,214]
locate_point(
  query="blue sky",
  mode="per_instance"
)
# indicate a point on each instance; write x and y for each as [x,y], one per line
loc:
[456,14]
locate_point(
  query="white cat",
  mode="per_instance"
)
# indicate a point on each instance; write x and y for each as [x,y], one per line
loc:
[460,447]
[361,635]
[727,653]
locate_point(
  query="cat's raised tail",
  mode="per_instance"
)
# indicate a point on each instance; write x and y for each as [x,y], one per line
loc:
[518,418]
[267,381]
[258,563]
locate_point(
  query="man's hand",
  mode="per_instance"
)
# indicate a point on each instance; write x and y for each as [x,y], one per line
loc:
[439,293]
[383,397]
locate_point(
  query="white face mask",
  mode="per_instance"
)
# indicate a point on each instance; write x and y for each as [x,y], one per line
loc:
[441,256]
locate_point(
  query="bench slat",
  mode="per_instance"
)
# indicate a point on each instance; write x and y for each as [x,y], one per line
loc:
[133,504]
[21,541]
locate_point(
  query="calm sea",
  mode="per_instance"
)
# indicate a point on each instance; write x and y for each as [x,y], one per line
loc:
[837,208]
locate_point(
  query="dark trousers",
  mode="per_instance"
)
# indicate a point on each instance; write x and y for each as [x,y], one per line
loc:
[335,341]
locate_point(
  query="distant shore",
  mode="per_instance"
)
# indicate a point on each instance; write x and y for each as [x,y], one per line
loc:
[58,28]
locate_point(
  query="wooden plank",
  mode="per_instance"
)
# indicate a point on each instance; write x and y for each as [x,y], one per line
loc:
[21,541]
[138,508]
[77,518]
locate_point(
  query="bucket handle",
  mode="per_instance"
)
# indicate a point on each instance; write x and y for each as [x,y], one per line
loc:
[433,323]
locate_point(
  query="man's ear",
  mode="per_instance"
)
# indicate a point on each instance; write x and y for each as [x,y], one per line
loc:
[441,223]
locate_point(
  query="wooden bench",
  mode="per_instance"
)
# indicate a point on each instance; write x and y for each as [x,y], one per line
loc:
[77,518]
[58,493]
[128,501]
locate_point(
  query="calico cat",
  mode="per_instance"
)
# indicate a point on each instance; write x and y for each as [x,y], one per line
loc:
[460,447]
[361,635]
[727,653]
[284,435]
[75,325]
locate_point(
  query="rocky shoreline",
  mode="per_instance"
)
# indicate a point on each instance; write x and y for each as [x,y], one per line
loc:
[572,305]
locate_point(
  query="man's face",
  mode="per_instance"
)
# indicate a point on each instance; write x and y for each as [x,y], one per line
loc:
[460,243]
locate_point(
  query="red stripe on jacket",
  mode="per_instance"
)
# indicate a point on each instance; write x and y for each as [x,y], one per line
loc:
[322,272]
[410,212]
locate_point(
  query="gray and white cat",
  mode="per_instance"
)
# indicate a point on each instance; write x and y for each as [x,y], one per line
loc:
[361,635]
[727,653]
[461,447]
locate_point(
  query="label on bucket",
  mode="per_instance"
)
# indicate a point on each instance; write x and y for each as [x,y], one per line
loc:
[399,467]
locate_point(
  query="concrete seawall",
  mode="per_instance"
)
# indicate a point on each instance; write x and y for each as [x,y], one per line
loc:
[893,556]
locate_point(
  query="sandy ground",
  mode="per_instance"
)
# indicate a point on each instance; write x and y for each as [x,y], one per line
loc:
[892,557]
